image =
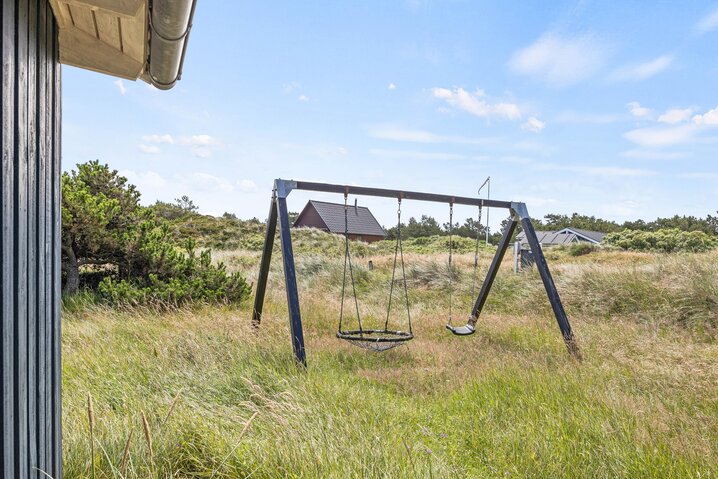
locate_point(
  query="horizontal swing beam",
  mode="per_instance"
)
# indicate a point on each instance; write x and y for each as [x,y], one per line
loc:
[286,186]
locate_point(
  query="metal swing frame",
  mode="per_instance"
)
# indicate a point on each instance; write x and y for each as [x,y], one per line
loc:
[279,216]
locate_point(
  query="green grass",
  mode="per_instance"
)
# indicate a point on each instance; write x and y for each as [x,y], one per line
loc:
[506,402]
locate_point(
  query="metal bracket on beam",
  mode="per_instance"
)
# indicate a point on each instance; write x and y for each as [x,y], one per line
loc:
[284,187]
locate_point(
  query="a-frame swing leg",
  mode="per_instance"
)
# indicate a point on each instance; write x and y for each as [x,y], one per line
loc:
[261,288]
[278,214]
[493,269]
[542,266]
[290,279]
[521,213]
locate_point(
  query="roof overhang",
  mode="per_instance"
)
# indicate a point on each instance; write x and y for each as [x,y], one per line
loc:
[130,39]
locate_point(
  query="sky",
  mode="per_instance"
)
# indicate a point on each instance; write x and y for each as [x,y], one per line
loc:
[602,108]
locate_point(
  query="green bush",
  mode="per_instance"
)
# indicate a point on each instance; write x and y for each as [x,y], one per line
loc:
[173,278]
[580,249]
[664,240]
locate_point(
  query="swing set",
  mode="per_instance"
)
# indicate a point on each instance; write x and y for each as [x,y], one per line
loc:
[381,339]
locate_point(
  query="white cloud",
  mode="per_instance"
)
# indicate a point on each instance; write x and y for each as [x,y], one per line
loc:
[247,185]
[303,98]
[676,115]
[708,23]
[200,140]
[653,154]
[199,181]
[610,171]
[560,61]
[644,70]
[420,155]
[158,139]
[638,111]
[120,84]
[147,182]
[392,86]
[477,103]
[708,118]
[149,149]
[659,137]
[534,124]
[291,87]
[700,176]
[201,146]
[570,116]
[395,133]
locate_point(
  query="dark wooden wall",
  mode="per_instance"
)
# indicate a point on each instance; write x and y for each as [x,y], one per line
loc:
[29,241]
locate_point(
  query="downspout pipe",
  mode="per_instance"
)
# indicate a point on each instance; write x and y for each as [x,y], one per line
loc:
[170,24]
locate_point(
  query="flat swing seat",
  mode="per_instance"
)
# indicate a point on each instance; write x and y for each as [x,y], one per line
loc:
[466,330]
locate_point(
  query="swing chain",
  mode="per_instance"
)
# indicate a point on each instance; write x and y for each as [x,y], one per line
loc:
[348,260]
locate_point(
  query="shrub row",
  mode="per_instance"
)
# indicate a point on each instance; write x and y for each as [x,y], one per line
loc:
[664,240]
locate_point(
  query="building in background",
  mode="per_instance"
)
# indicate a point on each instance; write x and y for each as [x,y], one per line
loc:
[564,236]
[360,222]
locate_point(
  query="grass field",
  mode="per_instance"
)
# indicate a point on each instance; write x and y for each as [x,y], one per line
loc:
[221,401]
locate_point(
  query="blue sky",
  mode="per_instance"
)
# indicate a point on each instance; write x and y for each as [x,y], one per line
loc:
[568,106]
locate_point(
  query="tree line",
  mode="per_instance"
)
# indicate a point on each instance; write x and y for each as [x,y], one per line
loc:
[429,226]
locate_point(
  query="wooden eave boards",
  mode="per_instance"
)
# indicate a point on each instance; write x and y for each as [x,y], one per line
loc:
[106,36]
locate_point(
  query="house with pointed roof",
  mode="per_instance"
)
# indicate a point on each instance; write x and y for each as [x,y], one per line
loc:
[564,236]
[360,222]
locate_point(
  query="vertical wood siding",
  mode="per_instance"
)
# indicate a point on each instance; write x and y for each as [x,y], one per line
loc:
[30,242]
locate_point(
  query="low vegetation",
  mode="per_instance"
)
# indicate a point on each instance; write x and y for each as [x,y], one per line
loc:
[669,240]
[196,392]
[164,377]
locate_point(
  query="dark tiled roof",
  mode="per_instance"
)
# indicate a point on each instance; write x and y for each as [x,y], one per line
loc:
[360,220]
[564,236]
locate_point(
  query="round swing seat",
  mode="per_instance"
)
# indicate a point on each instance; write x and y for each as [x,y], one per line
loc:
[376,339]
[466,330]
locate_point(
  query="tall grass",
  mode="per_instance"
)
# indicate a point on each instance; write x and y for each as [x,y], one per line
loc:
[203,395]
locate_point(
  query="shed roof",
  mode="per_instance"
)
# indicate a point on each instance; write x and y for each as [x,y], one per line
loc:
[360,221]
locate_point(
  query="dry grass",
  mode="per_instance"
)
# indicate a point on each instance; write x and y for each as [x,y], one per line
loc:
[506,402]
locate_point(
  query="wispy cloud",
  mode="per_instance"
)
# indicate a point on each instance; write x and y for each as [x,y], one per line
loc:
[561,60]
[120,84]
[168,139]
[421,155]
[608,171]
[149,149]
[397,133]
[640,154]
[291,87]
[642,71]
[477,103]
[660,136]
[200,140]
[247,185]
[676,115]
[533,124]
[708,23]
[303,98]
[392,86]
[639,111]
[710,118]
[570,116]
